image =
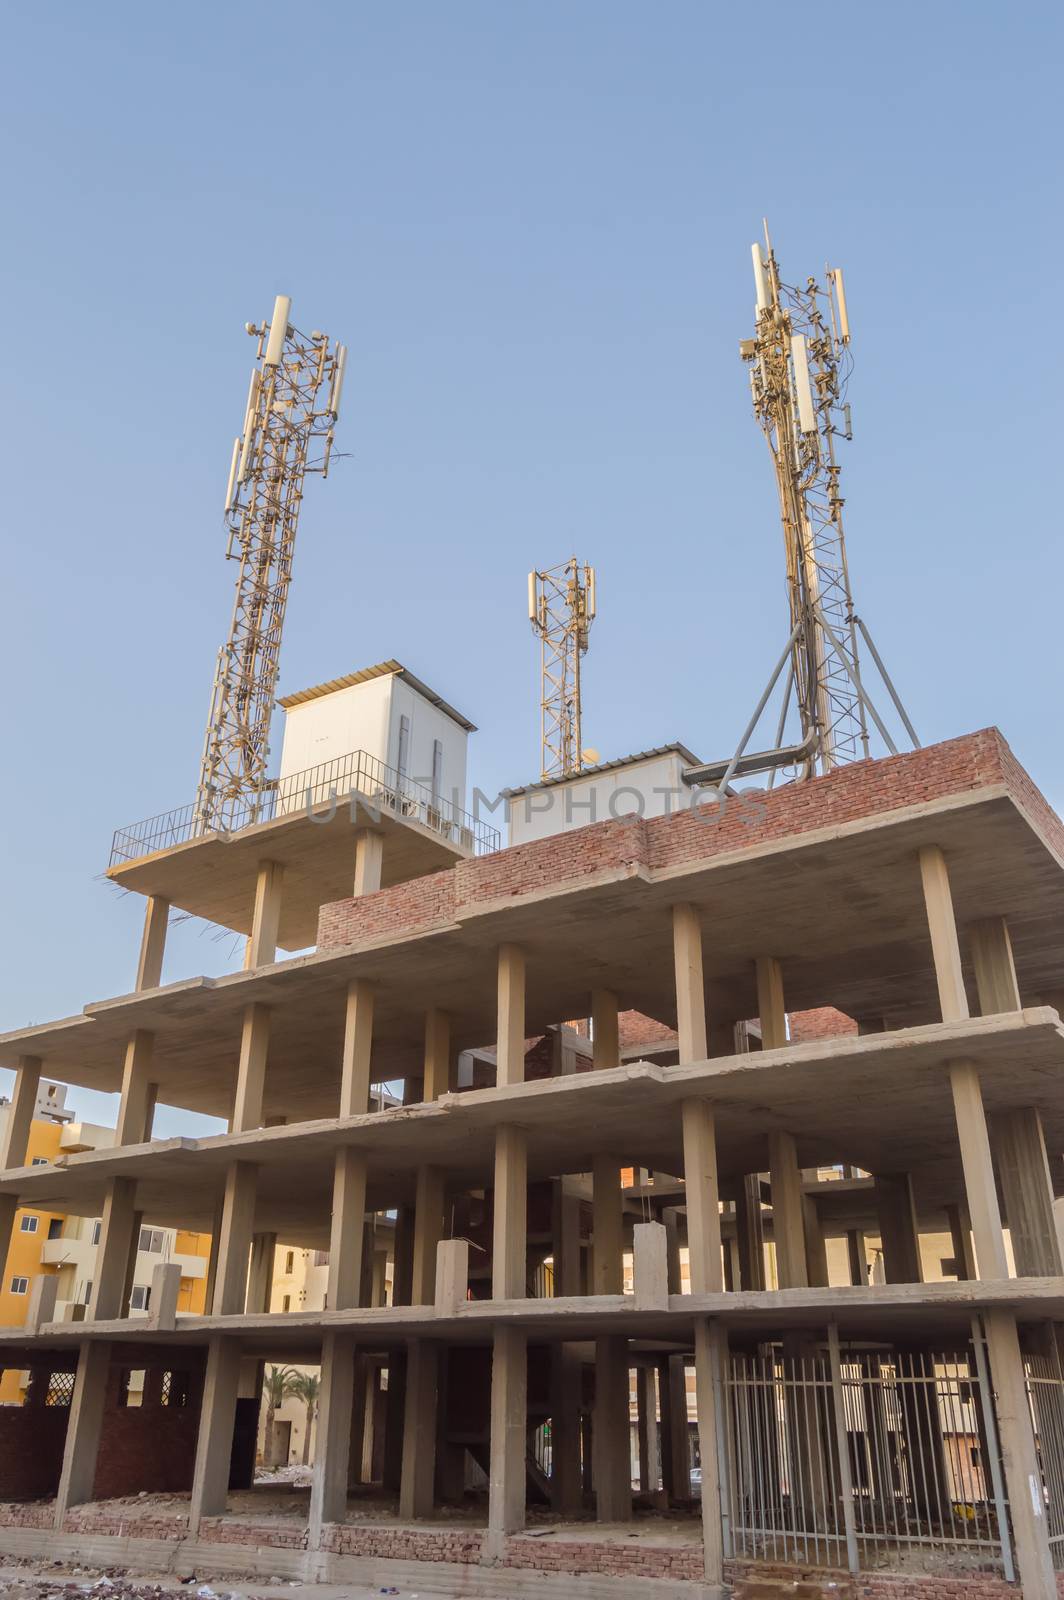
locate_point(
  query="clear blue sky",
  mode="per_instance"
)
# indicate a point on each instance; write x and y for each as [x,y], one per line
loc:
[531,224]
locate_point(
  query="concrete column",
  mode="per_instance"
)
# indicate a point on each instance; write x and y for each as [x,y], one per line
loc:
[566,1383]
[703,1203]
[1019,1144]
[162,1303]
[650,1266]
[856,1258]
[509,1409]
[437,1054]
[234,1242]
[945,948]
[117,1239]
[706,1357]
[978,1172]
[816,1251]
[78,1476]
[509,1276]
[675,1449]
[607,1241]
[403,1256]
[369,861]
[649,1441]
[251,1069]
[452,1276]
[138,1092]
[510,1039]
[153,943]
[670,1221]
[428,1231]
[1023,1480]
[770,1004]
[14,1139]
[394,1410]
[347,1233]
[960,1227]
[690,984]
[1027,1189]
[610,1437]
[358,1045]
[260,1272]
[41,1309]
[332,1441]
[419,1430]
[788,1224]
[214,1441]
[995,970]
[212,1256]
[896,1209]
[605,1030]
[266,916]
[750,1231]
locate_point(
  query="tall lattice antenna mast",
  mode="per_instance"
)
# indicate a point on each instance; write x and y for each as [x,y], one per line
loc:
[561,609]
[799,361]
[293,401]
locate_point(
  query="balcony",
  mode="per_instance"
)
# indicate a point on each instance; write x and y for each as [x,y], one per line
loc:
[356,779]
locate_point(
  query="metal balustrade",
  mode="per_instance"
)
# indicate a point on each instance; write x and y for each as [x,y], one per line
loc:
[358,780]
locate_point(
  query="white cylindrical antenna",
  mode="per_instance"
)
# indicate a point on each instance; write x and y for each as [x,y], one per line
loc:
[840,300]
[848,421]
[338,379]
[282,307]
[231,485]
[803,388]
[590,602]
[245,455]
[760,278]
[253,401]
[532,597]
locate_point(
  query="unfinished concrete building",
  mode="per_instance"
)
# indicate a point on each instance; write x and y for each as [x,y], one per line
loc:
[877,1428]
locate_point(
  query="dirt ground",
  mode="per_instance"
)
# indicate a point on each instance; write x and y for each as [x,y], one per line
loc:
[65,1580]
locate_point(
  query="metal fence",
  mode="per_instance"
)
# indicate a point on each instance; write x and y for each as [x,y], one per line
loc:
[358,780]
[864,1459]
[1045,1393]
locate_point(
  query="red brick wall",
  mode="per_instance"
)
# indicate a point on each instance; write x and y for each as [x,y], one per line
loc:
[865,789]
[823,1023]
[838,1585]
[148,1446]
[635,1028]
[31,1450]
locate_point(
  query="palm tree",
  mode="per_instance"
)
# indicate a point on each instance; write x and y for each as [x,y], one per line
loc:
[306,1386]
[276,1386]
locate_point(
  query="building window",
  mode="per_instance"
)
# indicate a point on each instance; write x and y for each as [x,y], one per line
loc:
[402,760]
[437,772]
[86,1294]
[131,1386]
[140,1297]
[153,1240]
[55,1228]
[176,1389]
[96,1227]
[290,1261]
[286,1302]
[20,1286]
[60,1390]
[39,1161]
[29,1224]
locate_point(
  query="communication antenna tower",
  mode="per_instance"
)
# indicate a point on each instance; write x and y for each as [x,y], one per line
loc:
[561,609]
[293,401]
[799,362]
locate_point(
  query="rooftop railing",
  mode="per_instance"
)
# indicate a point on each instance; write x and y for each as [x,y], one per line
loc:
[359,780]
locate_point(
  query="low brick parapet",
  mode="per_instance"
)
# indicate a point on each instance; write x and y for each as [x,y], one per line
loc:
[633,846]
